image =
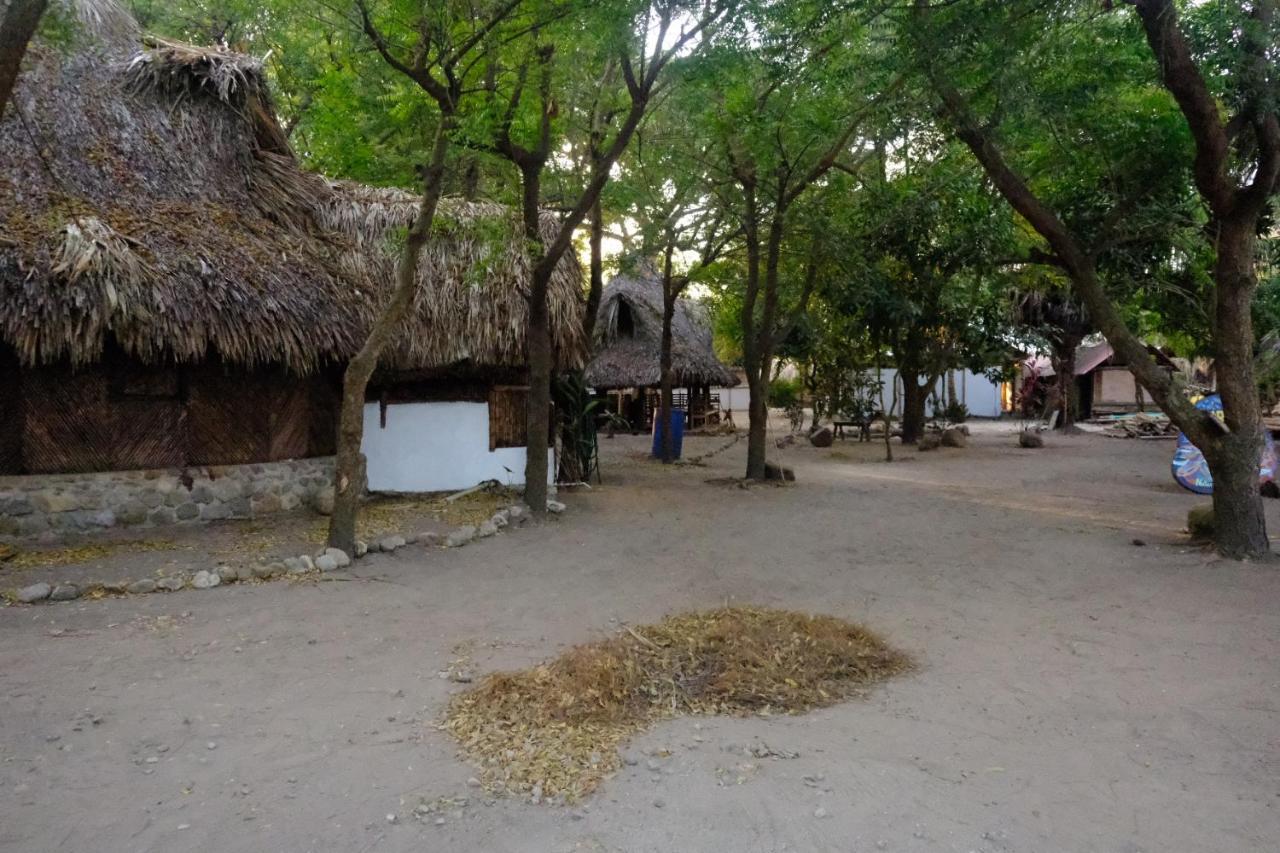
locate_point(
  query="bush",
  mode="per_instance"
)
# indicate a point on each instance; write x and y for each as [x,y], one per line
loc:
[785,393]
[955,412]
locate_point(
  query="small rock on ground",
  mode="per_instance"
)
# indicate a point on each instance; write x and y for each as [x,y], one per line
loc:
[461,536]
[35,592]
[487,528]
[556,507]
[205,580]
[141,587]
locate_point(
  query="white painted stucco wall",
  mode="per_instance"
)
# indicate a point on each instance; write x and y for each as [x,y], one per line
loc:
[437,447]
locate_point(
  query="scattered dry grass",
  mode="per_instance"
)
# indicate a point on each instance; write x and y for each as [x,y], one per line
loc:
[557,727]
[41,558]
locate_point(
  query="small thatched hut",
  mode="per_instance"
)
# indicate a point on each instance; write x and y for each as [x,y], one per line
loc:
[176,291]
[627,351]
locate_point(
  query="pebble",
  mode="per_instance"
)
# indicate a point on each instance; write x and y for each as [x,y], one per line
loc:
[473,782]
[652,765]
[659,804]
[211,745]
[64,592]
[151,759]
[391,818]
[820,812]
[439,821]
[141,587]
[184,826]
[35,592]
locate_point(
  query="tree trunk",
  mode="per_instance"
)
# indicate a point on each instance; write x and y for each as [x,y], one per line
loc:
[951,389]
[349,464]
[16,30]
[595,289]
[538,413]
[666,414]
[757,423]
[1240,522]
[914,397]
[1065,365]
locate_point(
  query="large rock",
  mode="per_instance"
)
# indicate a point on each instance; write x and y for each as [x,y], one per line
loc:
[555,507]
[391,543]
[141,587]
[1028,438]
[326,563]
[487,528]
[35,592]
[954,437]
[929,441]
[821,437]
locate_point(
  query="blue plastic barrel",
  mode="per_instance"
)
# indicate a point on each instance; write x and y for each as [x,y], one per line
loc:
[677,434]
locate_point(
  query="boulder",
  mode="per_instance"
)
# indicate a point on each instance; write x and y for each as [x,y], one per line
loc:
[486,529]
[954,437]
[326,563]
[1200,521]
[141,587]
[822,437]
[430,539]
[500,519]
[171,584]
[1030,439]
[929,441]
[228,574]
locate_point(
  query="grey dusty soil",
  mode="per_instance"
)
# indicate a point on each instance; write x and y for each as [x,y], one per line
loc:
[1076,692]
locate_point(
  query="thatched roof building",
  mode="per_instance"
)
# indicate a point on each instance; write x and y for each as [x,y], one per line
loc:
[629,339]
[157,231]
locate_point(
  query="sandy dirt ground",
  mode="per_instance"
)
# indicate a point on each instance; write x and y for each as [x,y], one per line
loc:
[1076,692]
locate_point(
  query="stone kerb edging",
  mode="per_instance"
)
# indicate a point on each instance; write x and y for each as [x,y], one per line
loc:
[328,560]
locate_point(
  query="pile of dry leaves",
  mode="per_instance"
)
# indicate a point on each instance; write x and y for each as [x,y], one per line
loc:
[556,728]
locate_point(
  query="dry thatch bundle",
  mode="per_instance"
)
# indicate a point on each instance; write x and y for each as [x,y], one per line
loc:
[628,341]
[556,727]
[152,198]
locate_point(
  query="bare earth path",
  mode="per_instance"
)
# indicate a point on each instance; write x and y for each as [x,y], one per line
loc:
[1076,693]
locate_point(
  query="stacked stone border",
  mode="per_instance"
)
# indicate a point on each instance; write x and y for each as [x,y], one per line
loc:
[37,504]
[302,566]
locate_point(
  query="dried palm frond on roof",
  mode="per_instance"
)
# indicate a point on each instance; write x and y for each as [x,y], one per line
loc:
[629,357]
[151,197]
[557,726]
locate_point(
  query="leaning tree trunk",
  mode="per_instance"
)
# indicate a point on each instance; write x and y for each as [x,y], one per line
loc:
[1240,524]
[349,463]
[666,415]
[17,26]
[914,397]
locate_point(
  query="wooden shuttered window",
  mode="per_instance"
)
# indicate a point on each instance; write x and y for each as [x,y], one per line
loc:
[507,407]
[507,415]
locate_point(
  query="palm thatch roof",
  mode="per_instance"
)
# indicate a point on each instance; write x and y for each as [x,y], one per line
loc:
[629,338]
[150,197]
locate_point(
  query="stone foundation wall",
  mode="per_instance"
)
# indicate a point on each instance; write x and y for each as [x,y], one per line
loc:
[75,503]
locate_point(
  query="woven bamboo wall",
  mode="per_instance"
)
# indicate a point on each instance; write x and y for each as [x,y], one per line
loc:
[10,412]
[112,417]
